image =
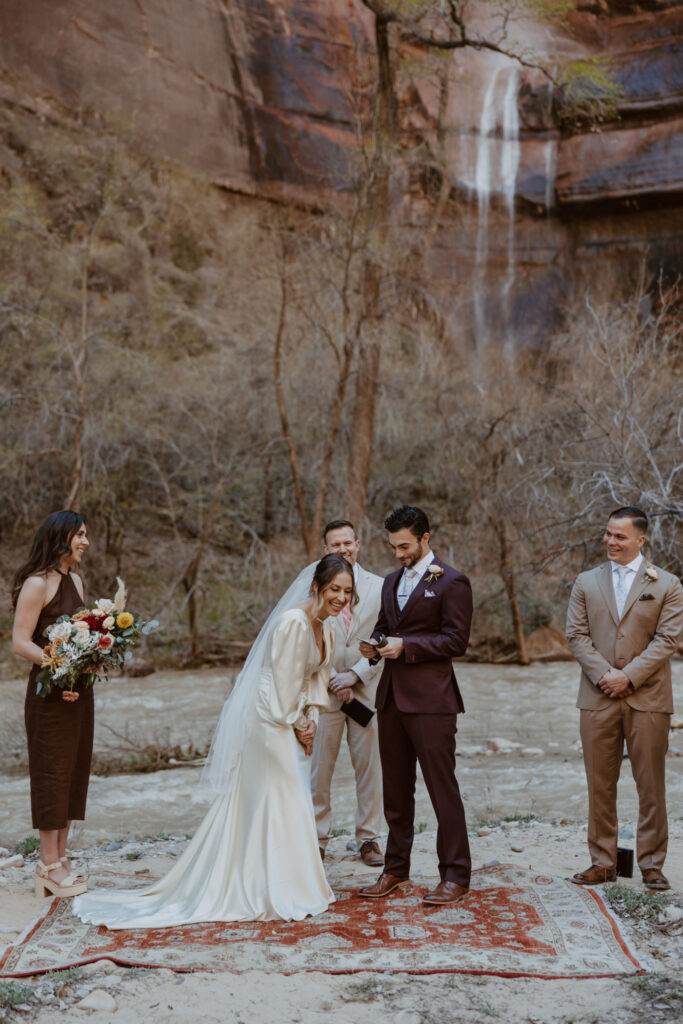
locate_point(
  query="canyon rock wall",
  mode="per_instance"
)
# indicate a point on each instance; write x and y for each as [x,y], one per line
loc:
[259,95]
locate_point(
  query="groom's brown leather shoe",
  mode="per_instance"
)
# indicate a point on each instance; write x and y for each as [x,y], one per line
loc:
[383,886]
[446,892]
[595,875]
[654,879]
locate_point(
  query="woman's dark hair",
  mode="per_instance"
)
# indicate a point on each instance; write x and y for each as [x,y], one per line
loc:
[410,517]
[51,544]
[327,568]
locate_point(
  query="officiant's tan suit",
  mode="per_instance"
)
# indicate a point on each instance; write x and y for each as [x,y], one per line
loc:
[640,643]
[362,741]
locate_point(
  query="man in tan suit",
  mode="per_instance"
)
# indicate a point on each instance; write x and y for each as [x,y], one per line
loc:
[352,676]
[623,624]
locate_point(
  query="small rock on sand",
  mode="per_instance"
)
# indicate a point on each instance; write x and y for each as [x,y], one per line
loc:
[16,861]
[105,966]
[97,1000]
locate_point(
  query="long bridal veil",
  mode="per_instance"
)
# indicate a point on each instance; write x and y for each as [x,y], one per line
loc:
[233,732]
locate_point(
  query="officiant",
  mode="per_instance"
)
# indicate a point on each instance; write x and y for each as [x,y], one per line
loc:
[353,677]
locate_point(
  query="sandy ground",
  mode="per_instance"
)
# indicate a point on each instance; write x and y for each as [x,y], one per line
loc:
[518,756]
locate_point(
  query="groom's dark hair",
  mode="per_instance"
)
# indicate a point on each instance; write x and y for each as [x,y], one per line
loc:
[407,516]
[337,524]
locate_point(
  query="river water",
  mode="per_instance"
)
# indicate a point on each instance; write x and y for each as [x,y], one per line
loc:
[528,714]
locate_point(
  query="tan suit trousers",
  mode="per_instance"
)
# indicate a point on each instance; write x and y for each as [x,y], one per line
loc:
[603,732]
[364,750]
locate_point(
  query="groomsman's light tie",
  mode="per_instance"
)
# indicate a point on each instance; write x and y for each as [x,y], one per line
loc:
[346,616]
[621,590]
[406,587]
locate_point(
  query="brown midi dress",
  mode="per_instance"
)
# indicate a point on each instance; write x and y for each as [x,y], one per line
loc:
[59,732]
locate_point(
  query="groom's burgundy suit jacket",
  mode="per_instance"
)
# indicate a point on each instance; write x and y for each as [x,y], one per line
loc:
[435,628]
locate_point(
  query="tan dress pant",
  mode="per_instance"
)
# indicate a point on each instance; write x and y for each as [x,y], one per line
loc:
[364,750]
[603,732]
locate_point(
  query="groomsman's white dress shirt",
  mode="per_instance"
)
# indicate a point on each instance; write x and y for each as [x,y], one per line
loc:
[622,580]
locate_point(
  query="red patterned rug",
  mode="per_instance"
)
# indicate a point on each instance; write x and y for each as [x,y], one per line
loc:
[514,923]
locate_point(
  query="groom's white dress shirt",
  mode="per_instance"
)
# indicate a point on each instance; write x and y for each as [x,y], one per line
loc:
[411,577]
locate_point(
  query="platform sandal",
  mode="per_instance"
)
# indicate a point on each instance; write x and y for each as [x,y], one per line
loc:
[69,886]
[78,875]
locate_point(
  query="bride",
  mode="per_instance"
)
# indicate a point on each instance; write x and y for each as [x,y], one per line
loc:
[255,856]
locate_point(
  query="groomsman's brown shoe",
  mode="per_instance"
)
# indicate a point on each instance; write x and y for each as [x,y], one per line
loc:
[445,893]
[654,879]
[371,854]
[595,875]
[383,886]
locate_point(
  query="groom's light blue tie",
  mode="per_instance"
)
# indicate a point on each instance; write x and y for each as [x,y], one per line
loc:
[406,587]
[621,590]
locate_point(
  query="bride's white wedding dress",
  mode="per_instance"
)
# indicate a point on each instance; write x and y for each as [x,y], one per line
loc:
[255,855]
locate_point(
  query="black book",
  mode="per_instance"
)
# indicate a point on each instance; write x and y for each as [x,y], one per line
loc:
[358,711]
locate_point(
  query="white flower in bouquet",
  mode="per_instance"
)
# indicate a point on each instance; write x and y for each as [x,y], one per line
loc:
[109,622]
[86,640]
[60,631]
[104,606]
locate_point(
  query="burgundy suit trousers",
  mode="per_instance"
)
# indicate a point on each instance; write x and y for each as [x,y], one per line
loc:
[405,739]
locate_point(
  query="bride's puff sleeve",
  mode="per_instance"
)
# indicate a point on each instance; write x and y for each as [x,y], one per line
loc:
[291,654]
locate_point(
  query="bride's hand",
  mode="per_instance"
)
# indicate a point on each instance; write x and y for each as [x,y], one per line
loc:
[306,736]
[306,743]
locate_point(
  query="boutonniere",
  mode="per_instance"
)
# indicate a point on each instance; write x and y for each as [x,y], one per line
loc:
[434,572]
[650,574]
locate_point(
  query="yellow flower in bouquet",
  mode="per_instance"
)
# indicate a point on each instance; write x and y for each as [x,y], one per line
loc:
[124,620]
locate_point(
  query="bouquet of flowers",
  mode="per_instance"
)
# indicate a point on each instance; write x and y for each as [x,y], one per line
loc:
[89,643]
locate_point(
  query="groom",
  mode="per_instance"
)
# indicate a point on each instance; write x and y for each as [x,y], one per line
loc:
[425,615]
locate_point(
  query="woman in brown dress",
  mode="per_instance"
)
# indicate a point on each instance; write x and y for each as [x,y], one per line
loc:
[59,732]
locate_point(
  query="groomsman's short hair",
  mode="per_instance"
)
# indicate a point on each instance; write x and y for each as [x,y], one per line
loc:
[338,524]
[410,517]
[635,514]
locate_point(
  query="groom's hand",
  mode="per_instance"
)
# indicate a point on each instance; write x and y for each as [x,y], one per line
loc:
[393,648]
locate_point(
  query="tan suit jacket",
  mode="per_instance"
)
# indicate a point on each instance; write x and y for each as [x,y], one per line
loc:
[640,644]
[346,648]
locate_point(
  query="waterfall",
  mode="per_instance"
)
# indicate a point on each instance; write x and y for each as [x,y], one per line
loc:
[509,167]
[550,158]
[482,183]
[498,131]
[482,178]
[511,147]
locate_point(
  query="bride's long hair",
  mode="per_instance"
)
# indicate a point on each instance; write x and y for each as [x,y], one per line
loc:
[51,543]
